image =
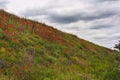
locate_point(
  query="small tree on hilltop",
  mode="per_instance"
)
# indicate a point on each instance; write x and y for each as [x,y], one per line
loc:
[117,46]
[117,53]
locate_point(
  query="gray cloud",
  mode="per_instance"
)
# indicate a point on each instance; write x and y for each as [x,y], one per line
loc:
[106,37]
[69,18]
[107,0]
[77,17]
[34,12]
[101,26]
[3,4]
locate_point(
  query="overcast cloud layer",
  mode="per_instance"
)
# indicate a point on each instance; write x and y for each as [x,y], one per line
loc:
[94,20]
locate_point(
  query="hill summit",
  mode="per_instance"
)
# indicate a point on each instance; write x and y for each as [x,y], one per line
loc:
[30,50]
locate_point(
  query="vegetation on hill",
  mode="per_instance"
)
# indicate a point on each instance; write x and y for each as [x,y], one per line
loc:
[34,51]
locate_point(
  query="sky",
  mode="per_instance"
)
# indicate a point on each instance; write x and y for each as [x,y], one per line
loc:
[95,20]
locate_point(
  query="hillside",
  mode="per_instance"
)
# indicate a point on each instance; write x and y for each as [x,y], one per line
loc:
[35,51]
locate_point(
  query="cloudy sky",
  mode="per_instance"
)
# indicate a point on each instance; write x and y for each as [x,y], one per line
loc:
[95,20]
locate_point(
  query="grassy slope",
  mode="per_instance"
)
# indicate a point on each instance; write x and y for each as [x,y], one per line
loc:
[44,53]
